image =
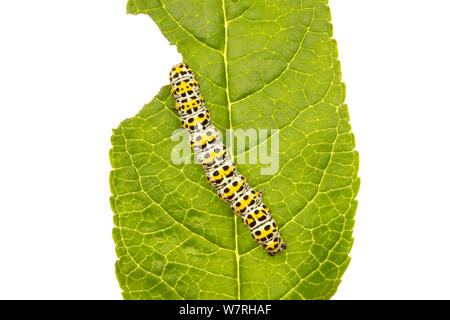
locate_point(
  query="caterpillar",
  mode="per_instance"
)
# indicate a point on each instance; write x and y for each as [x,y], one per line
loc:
[220,170]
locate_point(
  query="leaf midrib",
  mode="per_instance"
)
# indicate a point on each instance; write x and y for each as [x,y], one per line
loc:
[227,91]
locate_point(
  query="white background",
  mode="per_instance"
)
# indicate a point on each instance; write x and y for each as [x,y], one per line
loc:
[71,71]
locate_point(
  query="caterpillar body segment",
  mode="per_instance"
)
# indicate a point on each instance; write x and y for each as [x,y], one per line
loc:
[221,175]
[236,186]
[220,170]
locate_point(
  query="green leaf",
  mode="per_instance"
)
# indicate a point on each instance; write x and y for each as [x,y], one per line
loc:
[260,64]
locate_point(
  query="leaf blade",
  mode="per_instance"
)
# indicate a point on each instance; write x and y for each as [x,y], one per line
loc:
[297,91]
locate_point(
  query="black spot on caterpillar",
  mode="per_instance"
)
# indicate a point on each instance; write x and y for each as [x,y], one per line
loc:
[220,170]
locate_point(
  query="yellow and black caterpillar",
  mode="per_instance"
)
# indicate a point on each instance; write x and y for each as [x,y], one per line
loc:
[220,169]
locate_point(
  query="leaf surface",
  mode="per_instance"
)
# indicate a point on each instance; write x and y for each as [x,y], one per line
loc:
[264,65]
